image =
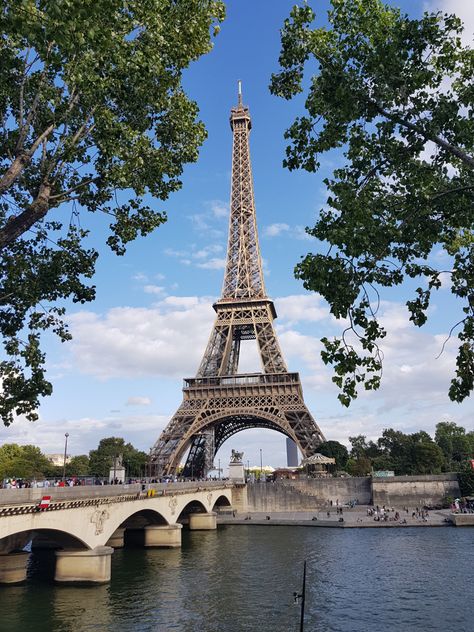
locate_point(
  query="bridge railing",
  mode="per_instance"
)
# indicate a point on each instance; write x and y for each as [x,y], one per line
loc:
[245,379]
[58,494]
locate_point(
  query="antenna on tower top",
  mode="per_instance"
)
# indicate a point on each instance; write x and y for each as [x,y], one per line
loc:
[239,83]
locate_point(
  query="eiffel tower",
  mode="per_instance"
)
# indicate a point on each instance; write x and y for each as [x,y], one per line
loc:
[219,401]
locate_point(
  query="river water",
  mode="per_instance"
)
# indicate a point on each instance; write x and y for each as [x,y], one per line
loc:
[242,578]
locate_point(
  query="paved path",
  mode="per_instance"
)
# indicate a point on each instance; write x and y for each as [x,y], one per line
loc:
[353,518]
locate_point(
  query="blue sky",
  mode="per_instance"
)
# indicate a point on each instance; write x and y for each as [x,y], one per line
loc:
[122,374]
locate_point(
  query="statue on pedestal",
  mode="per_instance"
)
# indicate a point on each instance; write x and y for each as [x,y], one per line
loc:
[236,457]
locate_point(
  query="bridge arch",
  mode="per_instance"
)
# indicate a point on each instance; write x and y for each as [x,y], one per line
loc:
[222,501]
[46,537]
[193,506]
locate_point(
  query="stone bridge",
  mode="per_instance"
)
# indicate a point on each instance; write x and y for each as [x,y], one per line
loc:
[83,525]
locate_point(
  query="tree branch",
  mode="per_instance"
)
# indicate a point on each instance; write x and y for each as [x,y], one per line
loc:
[452,149]
[457,190]
[18,224]
[20,162]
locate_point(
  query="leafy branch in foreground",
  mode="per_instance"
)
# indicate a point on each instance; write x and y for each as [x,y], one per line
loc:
[93,115]
[397,95]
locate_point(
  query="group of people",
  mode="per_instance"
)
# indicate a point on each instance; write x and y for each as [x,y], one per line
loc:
[462,505]
[20,483]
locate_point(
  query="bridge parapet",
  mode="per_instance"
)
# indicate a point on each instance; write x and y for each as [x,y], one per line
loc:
[33,494]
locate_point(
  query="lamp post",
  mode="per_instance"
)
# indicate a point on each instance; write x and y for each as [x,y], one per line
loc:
[261,464]
[248,469]
[219,469]
[65,456]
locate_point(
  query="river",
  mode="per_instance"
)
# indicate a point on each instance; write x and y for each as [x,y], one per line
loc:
[242,578]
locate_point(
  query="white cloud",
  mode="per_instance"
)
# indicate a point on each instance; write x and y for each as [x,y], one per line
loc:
[212,264]
[153,289]
[296,232]
[200,257]
[273,230]
[302,307]
[166,340]
[219,208]
[84,433]
[300,233]
[138,401]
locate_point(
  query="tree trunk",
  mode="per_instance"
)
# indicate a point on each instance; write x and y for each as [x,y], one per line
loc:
[19,224]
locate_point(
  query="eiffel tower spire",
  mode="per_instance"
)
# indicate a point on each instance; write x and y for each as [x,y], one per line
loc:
[243,275]
[220,401]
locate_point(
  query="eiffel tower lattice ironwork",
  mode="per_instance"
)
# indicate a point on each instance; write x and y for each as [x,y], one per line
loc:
[219,401]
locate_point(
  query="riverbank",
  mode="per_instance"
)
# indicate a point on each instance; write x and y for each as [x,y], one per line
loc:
[355,518]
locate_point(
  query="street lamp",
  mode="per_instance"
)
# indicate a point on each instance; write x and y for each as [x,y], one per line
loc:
[65,456]
[261,464]
[219,470]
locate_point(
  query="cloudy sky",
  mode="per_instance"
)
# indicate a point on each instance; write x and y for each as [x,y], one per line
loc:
[122,374]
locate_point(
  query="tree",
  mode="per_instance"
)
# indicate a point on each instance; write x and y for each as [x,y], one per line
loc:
[363,448]
[78,466]
[25,461]
[466,480]
[335,450]
[359,467]
[457,446]
[101,461]
[396,94]
[93,117]
[427,458]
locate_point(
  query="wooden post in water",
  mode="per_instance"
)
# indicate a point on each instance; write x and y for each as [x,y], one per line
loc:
[303,594]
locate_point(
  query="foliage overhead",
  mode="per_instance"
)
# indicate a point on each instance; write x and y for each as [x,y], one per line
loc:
[93,117]
[397,95]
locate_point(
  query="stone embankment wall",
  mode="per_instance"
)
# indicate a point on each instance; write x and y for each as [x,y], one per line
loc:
[308,494]
[397,491]
[344,490]
[277,497]
[412,491]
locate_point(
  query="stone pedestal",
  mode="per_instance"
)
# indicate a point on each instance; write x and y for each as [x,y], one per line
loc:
[117,474]
[236,472]
[91,566]
[116,539]
[164,536]
[240,499]
[13,567]
[203,521]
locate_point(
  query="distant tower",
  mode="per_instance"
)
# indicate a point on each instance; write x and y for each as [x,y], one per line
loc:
[291,453]
[219,401]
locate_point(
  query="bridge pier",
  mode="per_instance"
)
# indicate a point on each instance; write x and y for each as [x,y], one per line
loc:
[165,536]
[90,566]
[13,567]
[116,539]
[203,521]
